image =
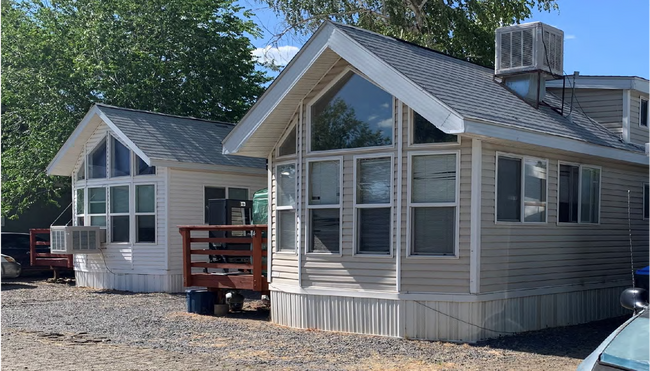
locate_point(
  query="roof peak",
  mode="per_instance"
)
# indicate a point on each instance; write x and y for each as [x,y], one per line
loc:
[162,114]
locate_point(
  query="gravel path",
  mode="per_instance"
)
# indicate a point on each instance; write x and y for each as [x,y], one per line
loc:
[48,326]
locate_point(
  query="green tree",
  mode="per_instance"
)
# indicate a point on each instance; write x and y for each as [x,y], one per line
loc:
[337,127]
[461,28]
[183,57]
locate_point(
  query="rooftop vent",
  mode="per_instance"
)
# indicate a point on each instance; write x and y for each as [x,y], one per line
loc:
[529,47]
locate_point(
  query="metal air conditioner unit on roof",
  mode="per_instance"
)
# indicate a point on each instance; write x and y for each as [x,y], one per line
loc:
[529,47]
[74,239]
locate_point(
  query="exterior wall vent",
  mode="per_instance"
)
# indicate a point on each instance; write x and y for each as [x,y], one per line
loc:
[74,239]
[529,47]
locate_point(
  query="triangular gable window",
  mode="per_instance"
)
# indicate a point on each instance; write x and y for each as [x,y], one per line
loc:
[354,113]
[121,159]
[81,173]
[426,132]
[97,161]
[141,167]
[288,146]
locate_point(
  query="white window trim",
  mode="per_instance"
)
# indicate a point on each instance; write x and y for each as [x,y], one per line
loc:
[280,208]
[134,223]
[356,206]
[600,194]
[411,134]
[110,214]
[522,205]
[292,125]
[645,199]
[309,207]
[326,89]
[641,99]
[410,205]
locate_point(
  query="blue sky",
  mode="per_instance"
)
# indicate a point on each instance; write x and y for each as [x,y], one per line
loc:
[602,37]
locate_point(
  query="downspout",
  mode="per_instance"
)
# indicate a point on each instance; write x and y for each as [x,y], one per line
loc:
[398,239]
[300,179]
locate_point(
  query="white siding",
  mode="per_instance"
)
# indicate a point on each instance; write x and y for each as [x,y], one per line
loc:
[521,256]
[186,202]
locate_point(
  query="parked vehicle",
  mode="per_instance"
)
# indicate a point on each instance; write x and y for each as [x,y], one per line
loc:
[16,245]
[628,347]
[10,267]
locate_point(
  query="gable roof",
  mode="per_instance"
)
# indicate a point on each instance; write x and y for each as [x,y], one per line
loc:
[159,139]
[456,95]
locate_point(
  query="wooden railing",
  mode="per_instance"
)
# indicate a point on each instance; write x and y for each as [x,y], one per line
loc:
[42,259]
[248,276]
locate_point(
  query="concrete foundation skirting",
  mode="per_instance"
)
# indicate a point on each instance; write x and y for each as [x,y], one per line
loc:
[444,320]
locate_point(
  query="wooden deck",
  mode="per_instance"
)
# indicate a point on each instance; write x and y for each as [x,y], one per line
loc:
[54,261]
[243,276]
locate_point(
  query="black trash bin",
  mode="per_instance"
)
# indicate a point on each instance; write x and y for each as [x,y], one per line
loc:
[200,302]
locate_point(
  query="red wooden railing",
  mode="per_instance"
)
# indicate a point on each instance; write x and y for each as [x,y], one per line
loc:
[40,259]
[249,275]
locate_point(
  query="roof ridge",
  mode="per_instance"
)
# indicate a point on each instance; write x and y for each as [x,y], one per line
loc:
[163,114]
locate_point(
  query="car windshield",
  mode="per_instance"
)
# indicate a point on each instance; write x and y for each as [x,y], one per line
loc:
[629,349]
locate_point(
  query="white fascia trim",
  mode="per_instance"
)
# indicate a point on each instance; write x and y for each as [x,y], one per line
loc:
[120,135]
[208,167]
[604,82]
[444,297]
[402,88]
[278,90]
[551,141]
[52,168]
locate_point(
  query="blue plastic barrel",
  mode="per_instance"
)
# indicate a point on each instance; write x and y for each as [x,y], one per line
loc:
[641,278]
[200,302]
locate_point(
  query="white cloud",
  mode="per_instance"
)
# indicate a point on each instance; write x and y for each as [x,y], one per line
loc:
[387,123]
[569,37]
[278,56]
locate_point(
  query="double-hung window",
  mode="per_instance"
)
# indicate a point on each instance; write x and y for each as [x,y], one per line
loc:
[433,204]
[579,194]
[97,206]
[324,206]
[521,189]
[145,213]
[373,205]
[285,176]
[119,212]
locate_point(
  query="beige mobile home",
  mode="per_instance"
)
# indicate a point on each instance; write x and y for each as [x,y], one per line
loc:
[418,195]
[139,175]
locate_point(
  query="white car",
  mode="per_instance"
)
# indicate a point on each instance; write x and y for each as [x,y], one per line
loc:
[10,267]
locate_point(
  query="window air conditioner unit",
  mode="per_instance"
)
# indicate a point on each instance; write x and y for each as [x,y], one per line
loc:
[74,239]
[529,47]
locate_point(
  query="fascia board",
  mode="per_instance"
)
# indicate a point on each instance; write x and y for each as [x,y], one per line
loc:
[278,90]
[118,133]
[58,166]
[552,141]
[395,83]
[605,82]
[208,167]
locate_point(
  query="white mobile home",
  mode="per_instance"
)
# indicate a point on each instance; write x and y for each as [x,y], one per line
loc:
[418,195]
[139,175]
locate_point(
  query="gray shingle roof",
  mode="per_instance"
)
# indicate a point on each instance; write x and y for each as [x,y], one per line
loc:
[471,90]
[174,138]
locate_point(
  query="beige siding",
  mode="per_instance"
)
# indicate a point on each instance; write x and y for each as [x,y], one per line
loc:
[522,256]
[603,105]
[638,134]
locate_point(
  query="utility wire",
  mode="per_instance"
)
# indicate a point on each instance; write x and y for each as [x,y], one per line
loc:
[463,321]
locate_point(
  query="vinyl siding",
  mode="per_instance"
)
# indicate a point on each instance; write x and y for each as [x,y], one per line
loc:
[603,105]
[638,134]
[186,202]
[142,258]
[523,256]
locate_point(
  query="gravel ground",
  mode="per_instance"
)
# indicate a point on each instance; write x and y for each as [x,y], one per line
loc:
[48,326]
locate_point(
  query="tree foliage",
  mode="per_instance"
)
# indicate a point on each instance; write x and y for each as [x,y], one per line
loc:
[461,28]
[183,57]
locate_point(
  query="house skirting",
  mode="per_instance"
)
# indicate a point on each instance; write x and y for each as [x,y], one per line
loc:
[468,319]
[130,281]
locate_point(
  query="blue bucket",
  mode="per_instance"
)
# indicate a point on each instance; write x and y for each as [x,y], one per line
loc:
[200,302]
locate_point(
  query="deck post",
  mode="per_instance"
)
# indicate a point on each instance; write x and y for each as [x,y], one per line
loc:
[32,247]
[187,257]
[257,259]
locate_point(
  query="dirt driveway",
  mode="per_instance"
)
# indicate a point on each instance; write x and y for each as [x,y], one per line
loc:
[49,326]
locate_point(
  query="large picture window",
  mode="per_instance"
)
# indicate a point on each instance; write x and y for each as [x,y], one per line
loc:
[579,194]
[433,204]
[353,113]
[521,189]
[324,205]
[285,176]
[373,202]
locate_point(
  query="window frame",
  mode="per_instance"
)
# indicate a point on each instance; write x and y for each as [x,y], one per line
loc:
[279,208]
[325,90]
[293,125]
[134,222]
[357,206]
[309,208]
[522,206]
[111,214]
[411,205]
[411,135]
[641,99]
[600,194]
